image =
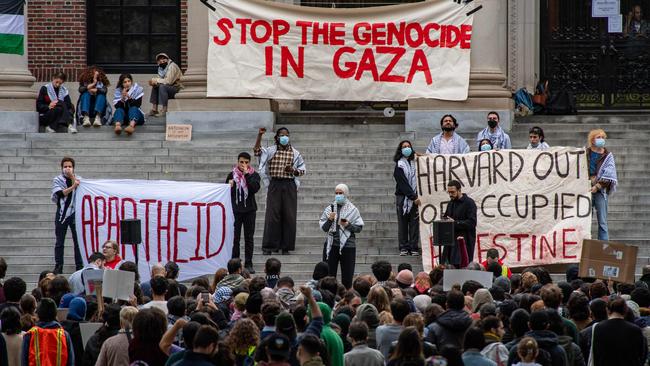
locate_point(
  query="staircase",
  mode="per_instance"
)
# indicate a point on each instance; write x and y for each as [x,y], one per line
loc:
[344,147]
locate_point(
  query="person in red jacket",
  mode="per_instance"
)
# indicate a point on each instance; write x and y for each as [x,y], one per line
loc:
[493,256]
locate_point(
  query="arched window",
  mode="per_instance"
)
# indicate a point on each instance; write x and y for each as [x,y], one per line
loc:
[125,35]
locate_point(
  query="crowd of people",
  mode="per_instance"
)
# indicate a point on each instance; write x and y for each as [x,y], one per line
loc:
[58,114]
[391,317]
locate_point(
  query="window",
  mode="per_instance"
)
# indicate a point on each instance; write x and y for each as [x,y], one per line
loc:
[125,35]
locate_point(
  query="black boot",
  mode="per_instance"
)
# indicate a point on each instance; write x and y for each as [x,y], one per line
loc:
[58,269]
[249,268]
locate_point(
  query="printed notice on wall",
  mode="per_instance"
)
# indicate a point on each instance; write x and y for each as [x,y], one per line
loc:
[178,133]
[605,8]
[615,23]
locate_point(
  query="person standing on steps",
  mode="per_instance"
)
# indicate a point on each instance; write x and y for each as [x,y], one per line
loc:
[165,85]
[280,166]
[406,199]
[341,220]
[63,189]
[448,141]
[244,182]
[493,132]
[602,173]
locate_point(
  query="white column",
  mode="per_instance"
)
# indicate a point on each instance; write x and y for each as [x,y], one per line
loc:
[523,44]
[17,99]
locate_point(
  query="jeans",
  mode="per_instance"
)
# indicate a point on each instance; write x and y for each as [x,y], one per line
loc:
[60,230]
[135,114]
[408,226]
[161,93]
[89,108]
[599,201]
[247,220]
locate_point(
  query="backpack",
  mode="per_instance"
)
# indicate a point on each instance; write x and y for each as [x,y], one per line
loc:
[561,102]
[523,98]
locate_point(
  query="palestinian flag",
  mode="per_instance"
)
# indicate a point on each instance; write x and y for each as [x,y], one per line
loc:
[12,26]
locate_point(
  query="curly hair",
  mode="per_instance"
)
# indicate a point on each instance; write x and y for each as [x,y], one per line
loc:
[87,75]
[243,335]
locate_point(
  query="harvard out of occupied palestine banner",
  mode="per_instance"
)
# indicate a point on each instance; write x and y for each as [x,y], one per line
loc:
[189,223]
[269,50]
[533,206]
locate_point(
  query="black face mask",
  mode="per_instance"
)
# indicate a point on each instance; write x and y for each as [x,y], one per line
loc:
[492,123]
[448,129]
[163,65]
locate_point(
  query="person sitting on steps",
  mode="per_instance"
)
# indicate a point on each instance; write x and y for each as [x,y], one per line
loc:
[127,101]
[166,85]
[54,106]
[93,86]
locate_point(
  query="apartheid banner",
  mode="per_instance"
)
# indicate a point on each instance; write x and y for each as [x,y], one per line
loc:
[189,223]
[269,50]
[533,206]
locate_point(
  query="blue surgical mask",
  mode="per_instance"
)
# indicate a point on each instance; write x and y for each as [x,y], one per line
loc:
[486,147]
[599,142]
[340,199]
[284,140]
[407,151]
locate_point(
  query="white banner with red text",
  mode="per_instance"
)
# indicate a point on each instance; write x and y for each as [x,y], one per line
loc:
[533,206]
[265,49]
[190,223]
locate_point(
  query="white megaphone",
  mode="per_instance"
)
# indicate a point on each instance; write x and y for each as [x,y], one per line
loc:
[389,112]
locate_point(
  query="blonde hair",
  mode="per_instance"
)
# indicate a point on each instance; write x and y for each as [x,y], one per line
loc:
[527,349]
[385,317]
[126,316]
[379,298]
[416,321]
[592,135]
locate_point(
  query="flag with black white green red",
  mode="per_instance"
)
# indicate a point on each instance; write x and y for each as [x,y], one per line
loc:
[12,26]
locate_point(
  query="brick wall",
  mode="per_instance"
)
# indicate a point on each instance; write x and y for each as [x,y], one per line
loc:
[57,37]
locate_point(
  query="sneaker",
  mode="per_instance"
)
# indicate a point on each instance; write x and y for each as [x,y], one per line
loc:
[71,129]
[98,122]
[415,254]
[403,253]
[86,121]
[49,130]
[129,130]
[152,113]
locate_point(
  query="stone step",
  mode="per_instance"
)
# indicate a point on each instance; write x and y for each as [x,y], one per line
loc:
[593,120]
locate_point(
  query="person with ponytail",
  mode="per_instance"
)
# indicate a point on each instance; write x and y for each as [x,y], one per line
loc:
[406,199]
[527,351]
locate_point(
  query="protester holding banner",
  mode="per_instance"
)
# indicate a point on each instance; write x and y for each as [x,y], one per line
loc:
[280,167]
[244,183]
[406,198]
[54,106]
[127,101]
[448,141]
[63,188]
[536,138]
[341,220]
[602,173]
[500,140]
[462,210]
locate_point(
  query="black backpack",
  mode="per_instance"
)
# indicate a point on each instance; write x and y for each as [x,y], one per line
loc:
[561,102]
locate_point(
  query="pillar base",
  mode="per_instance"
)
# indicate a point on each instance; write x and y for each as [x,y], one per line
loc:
[18,116]
[218,115]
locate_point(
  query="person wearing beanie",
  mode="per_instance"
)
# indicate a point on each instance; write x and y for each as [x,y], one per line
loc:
[76,314]
[341,221]
[343,321]
[404,278]
[333,342]
[368,314]
[422,302]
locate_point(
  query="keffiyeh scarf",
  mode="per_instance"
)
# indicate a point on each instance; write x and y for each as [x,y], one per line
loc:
[348,212]
[497,138]
[136,92]
[52,94]
[607,172]
[241,185]
[409,171]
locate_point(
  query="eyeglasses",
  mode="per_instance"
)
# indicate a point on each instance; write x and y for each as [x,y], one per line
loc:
[107,247]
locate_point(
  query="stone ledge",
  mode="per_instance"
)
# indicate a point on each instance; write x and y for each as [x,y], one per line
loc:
[18,121]
[468,120]
[216,121]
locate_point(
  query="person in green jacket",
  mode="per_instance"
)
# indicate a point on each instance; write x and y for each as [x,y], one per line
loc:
[333,342]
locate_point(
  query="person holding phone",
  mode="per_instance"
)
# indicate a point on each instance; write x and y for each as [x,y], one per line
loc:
[63,188]
[280,167]
[341,220]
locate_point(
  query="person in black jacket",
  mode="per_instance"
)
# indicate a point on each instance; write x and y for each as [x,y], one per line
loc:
[406,199]
[127,101]
[54,106]
[462,210]
[244,183]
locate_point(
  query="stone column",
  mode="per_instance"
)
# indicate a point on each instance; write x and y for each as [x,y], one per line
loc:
[488,75]
[17,98]
[523,44]
[192,106]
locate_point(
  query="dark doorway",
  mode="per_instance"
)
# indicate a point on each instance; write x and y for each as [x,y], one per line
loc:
[604,70]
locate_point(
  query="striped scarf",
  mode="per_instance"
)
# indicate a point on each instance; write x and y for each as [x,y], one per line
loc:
[241,185]
[348,212]
[497,138]
[607,172]
[409,171]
